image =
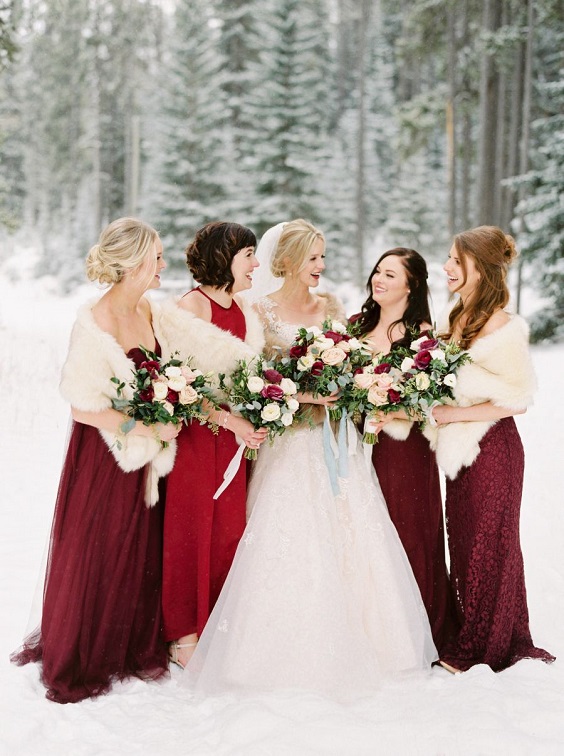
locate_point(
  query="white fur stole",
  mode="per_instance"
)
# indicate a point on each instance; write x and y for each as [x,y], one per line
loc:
[501,372]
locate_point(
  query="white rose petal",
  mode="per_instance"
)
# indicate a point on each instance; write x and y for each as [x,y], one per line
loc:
[287,419]
[314,330]
[177,382]
[172,370]
[288,386]
[305,362]
[338,327]
[354,343]
[255,384]
[407,364]
[160,389]
[438,354]
[422,381]
[450,380]
[270,412]
[292,404]
[168,407]
[415,344]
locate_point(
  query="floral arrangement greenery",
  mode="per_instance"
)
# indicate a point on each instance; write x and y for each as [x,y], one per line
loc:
[163,392]
[324,360]
[262,395]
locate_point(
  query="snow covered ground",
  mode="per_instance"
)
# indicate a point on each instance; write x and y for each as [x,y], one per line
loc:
[518,712]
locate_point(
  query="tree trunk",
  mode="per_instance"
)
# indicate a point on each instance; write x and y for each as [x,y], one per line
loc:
[360,145]
[487,147]
[451,121]
[465,177]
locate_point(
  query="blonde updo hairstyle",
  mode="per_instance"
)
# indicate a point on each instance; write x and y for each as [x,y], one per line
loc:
[294,246]
[122,246]
[492,252]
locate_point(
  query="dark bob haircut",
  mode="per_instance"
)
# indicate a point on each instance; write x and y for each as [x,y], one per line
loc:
[210,254]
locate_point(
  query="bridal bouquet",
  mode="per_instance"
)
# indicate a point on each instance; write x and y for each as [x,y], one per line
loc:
[378,387]
[429,368]
[163,392]
[324,360]
[263,396]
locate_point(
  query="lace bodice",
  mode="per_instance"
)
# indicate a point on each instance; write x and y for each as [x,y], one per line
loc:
[280,334]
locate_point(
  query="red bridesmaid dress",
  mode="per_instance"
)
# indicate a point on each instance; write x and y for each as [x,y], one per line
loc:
[200,534]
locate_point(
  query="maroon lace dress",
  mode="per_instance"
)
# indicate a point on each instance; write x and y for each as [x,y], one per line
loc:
[101,616]
[482,508]
[409,477]
[201,534]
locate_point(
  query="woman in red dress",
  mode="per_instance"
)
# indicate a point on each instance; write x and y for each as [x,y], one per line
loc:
[480,450]
[101,616]
[398,306]
[201,534]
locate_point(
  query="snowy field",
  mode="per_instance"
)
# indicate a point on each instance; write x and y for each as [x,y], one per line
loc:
[517,712]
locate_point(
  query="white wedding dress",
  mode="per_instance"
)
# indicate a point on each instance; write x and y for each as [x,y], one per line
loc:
[320,596]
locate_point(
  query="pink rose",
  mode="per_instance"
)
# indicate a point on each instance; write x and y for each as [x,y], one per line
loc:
[333,356]
[272,376]
[422,359]
[272,391]
[377,396]
[364,380]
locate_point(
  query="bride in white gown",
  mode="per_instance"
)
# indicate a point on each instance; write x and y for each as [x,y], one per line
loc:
[321,596]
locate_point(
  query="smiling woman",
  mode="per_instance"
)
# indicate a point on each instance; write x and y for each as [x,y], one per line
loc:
[213,325]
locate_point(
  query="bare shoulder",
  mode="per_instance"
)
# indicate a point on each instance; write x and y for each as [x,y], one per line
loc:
[197,304]
[104,317]
[145,307]
[496,321]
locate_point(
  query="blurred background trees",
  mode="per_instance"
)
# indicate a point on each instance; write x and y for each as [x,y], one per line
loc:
[384,122]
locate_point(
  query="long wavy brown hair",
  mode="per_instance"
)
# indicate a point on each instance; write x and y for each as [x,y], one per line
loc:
[492,252]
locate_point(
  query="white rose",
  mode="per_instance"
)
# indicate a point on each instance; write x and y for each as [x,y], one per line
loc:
[354,343]
[255,384]
[322,342]
[345,346]
[168,407]
[377,396]
[422,381]
[450,380]
[407,364]
[364,380]
[415,344]
[305,362]
[314,330]
[338,327]
[288,386]
[188,395]
[333,356]
[176,382]
[384,380]
[292,404]
[438,354]
[287,419]
[160,389]
[172,371]
[270,412]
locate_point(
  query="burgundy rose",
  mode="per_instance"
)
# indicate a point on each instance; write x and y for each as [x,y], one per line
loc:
[273,392]
[394,396]
[300,350]
[146,395]
[172,396]
[151,366]
[356,371]
[422,359]
[429,344]
[272,376]
[317,367]
[334,335]
[383,368]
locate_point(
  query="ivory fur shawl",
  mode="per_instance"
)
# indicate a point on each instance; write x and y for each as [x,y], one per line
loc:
[211,348]
[501,372]
[94,357]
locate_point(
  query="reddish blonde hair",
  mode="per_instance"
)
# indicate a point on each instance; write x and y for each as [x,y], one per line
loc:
[492,252]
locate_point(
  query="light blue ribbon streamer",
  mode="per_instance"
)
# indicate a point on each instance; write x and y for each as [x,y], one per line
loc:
[329,455]
[343,449]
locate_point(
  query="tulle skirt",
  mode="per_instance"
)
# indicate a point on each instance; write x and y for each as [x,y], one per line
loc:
[321,596]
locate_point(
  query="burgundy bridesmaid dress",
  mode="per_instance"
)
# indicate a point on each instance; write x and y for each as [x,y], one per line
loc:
[201,535]
[101,617]
[482,507]
[409,477]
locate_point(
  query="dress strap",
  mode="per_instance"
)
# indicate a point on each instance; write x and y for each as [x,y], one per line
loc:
[212,301]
